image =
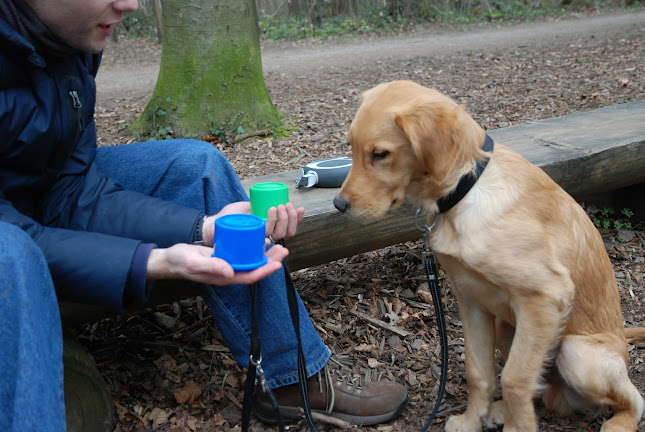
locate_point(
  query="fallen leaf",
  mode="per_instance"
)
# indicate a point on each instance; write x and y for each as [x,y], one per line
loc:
[121,411]
[425,296]
[365,348]
[188,394]
[396,305]
[158,417]
[373,363]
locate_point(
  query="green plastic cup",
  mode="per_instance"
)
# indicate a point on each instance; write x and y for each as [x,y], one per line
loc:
[267,195]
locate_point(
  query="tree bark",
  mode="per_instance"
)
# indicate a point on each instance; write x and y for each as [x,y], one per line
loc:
[210,73]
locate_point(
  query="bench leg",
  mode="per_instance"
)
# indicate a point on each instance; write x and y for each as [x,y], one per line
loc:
[88,402]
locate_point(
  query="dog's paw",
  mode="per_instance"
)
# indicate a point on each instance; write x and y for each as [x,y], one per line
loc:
[495,419]
[463,423]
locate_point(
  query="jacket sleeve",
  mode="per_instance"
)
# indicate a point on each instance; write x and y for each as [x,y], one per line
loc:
[86,267]
[111,223]
[97,203]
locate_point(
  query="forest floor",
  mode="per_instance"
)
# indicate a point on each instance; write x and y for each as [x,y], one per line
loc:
[167,367]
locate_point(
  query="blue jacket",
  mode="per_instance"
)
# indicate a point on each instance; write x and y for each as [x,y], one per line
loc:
[87,226]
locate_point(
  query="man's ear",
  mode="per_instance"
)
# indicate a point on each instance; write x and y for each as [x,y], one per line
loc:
[429,126]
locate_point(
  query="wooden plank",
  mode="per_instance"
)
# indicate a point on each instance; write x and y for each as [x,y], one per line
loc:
[596,151]
[585,153]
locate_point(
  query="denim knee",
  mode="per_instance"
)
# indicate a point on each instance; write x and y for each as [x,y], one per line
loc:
[24,265]
[12,233]
[192,155]
[18,249]
[193,150]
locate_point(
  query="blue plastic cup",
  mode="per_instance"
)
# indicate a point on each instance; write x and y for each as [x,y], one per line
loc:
[239,240]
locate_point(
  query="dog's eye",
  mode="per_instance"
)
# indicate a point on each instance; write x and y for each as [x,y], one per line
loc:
[378,155]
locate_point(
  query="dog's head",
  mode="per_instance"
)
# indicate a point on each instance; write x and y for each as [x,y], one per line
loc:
[407,141]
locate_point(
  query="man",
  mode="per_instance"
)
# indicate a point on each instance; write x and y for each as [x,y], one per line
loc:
[100,225]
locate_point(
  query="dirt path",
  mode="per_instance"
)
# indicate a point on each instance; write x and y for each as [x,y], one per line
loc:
[120,79]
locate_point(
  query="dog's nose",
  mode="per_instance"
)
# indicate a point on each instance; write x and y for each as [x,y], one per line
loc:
[341,204]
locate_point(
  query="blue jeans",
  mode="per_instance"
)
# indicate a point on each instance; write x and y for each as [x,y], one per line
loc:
[195,174]
[31,339]
[188,172]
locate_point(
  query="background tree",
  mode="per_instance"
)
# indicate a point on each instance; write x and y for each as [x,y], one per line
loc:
[210,77]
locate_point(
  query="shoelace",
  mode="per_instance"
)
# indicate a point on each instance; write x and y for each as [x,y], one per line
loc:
[329,383]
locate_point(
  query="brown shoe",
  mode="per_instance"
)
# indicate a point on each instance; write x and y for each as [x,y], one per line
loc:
[337,394]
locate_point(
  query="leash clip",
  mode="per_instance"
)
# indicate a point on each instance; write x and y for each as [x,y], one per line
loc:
[262,378]
[427,253]
[427,231]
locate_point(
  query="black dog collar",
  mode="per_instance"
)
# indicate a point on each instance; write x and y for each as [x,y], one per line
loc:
[467,181]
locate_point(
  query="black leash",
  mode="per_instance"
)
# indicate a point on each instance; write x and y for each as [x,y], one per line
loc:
[430,264]
[255,361]
[444,204]
[302,366]
[255,365]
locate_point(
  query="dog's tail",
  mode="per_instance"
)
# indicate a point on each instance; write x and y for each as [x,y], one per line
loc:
[635,334]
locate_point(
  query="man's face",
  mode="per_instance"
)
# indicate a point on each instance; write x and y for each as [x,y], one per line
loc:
[83,24]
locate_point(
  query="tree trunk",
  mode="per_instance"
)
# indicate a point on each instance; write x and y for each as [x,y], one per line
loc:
[210,75]
[156,8]
[296,7]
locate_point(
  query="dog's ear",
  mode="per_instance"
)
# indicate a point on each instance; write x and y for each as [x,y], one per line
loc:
[429,126]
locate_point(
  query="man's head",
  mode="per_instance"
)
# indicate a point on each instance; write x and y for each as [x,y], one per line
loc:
[83,24]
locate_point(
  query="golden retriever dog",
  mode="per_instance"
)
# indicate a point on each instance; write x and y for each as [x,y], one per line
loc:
[528,268]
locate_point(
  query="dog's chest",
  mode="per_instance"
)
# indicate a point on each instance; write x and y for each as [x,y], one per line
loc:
[471,286]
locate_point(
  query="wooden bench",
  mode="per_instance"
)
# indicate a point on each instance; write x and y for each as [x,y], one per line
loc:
[585,153]
[596,151]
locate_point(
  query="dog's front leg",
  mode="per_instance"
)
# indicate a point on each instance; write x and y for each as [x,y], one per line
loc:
[538,321]
[479,340]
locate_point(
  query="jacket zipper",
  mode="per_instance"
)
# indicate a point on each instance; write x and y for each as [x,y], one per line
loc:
[78,105]
[71,132]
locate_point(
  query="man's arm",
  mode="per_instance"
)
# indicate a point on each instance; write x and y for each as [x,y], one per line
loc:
[86,267]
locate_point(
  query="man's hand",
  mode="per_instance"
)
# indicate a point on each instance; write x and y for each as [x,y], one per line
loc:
[282,222]
[183,261]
